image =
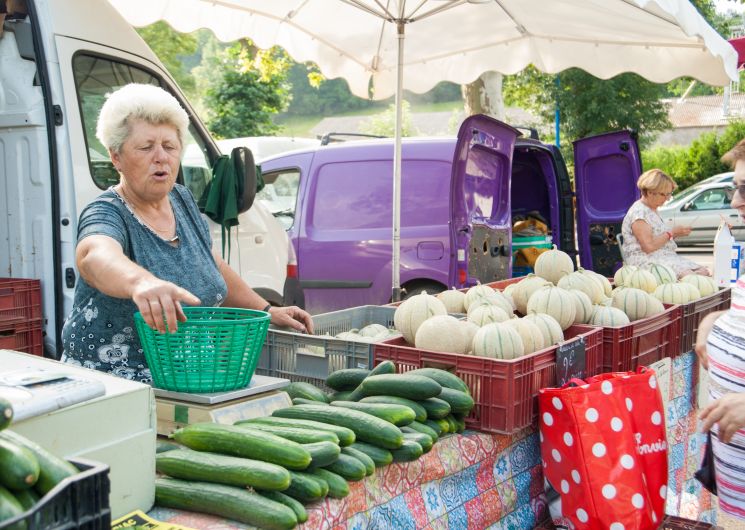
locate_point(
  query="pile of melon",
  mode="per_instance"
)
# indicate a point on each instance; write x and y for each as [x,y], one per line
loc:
[370,333]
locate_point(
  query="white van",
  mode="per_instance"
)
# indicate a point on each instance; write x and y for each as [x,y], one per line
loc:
[56,66]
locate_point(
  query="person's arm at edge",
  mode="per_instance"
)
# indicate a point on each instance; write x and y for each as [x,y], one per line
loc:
[649,242]
[704,328]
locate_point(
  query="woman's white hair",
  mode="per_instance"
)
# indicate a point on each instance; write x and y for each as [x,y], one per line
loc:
[138,102]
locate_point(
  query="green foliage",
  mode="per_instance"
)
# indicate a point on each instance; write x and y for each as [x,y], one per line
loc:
[384,124]
[171,46]
[313,95]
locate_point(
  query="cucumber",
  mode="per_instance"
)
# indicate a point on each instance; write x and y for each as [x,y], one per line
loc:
[306,487]
[346,436]
[9,508]
[408,452]
[19,468]
[243,442]
[301,389]
[295,506]
[162,446]
[296,434]
[424,429]
[460,402]
[52,469]
[343,395]
[229,470]
[322,453]
[28,498]
[381,457]
[362,457]
[6,413]
[445,378]
[348,467]
[402,385]
[338,487]
[419,437]
[366,428]
[453,424]
[396,414]
[386,367]
[435,426]
[229,502]
[436,408]
[347,379]
[444,426]
[303,401]
[419,411]
[461,421]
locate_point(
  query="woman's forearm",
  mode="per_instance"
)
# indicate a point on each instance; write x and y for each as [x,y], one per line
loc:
[103,265]
[240,293]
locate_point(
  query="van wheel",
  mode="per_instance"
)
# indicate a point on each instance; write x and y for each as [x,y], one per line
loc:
[417,288]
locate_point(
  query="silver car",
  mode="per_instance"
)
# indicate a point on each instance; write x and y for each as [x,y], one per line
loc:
[703,207]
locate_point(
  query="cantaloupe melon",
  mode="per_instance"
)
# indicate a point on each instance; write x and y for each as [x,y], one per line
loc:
[583,282]
[453,300]
[554,301]
[553,264]
[442,333]
[602,280]
[481,315]
[622,274]
[609,317]
[673,293]
[469,330]
[662,273]
[477,293]
[524,289]
[706,285]
[582,306]
[641,279]
[498,342]
[529,332]
[550,328]
[634,302]
[415,310]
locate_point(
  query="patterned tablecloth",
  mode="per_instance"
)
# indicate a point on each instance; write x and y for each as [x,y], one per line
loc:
[477,481]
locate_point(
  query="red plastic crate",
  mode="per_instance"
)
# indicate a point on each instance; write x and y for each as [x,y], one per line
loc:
[19,300]
[22,336]
[694,312]
[505,392]
[642,342]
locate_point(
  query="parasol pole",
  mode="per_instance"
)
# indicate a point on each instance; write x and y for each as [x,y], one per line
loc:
[396,263]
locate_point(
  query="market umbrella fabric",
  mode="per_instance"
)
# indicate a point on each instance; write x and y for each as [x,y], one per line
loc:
[383,46]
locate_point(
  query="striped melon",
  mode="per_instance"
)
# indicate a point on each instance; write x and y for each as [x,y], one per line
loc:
[498,342]
[508,297]
[634,302]
[550,328]
[553,264]
[608,316]
[525,288]
[582,282]
[469,330]
[655,307]
[441,333]
[497,300]
[672,293]
[481,315]
[641,279]
[582,307]
[453,300]
[529,332]
[662,273]
[622,274]
[705,285]
[602,280]
[415,310]
[554,301]
[693,292]
[479,292]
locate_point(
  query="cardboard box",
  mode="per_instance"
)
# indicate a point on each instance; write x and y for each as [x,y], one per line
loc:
[729,257]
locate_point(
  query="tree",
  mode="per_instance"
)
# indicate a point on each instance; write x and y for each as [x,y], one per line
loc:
[384,124]
[484,96]
[171,46]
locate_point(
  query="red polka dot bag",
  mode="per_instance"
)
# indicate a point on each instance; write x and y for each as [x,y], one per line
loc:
[604,450]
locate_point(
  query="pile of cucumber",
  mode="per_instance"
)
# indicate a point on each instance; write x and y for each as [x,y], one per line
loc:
[263,471]
[27,471]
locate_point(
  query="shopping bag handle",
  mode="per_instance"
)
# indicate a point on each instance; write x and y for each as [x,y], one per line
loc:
[574,381]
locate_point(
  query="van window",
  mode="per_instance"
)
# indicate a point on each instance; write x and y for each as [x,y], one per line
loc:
[95,77]
[279,195]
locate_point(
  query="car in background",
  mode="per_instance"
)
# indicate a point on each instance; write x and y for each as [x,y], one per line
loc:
[727,176]
[266,146]
[703,207]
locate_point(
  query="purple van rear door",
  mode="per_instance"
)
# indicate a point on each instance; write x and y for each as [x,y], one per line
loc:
[606,168]
[480,206]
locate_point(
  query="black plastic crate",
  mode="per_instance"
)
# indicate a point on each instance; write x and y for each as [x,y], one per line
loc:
[80,501]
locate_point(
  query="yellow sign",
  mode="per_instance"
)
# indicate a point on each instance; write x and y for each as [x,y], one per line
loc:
[138,519]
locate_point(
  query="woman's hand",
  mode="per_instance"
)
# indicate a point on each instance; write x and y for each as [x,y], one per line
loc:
[728,412]
[293,317]
[680,230]
[704,328]
[156,298]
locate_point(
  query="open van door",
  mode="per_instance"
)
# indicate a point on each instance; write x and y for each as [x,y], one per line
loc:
[480,205]
[606,168]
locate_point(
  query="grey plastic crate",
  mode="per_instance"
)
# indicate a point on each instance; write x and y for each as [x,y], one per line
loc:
[312,358]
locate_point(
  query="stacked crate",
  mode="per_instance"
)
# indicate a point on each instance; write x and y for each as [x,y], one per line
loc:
[20,316]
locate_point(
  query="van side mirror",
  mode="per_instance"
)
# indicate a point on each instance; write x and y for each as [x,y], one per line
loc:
[688,206]
[245,171]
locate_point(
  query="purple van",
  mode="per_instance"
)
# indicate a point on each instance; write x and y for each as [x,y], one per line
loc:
[458,196]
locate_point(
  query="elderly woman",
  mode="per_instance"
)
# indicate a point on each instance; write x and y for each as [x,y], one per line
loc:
[646,238]
[143,245]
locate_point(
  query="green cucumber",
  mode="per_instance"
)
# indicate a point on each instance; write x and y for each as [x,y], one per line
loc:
[348,467]
[342,395]
[424,429]
[28,498]
[381,457]
[10,508]
[338,486]
[409,451]
[322,453]
[296,434]
[303,401]
[229,470]
[461,421]
[6,413]
[52,469]
[445,378]
[444,426]
[362,457]
[419,411]
[228,502]
[306,487]
[301,389]
[419,437]
[386,367]
[436,408]
[460,402]
[346,436]
[366,428]
[19,468]
[243,442]
[295,506]
[162,446]
[407,386]
[453,424]
[346,379]
[435,426]
[396,414]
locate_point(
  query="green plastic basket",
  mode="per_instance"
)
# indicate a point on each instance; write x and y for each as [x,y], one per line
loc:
[215,350]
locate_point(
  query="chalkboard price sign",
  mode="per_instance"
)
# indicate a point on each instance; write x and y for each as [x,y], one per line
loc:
[570,361]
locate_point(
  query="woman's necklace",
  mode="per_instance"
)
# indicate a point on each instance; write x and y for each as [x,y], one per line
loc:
[170,231]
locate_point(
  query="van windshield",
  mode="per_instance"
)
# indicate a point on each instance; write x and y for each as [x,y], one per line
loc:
[279,195]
